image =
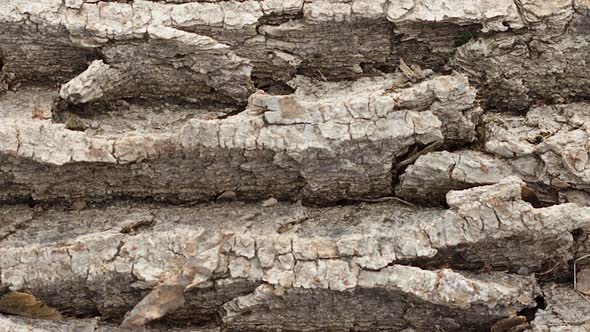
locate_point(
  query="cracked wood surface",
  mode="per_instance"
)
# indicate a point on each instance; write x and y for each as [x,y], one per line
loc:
[203,49]
[214,260]
[138,140]
[325,142]
[548,147]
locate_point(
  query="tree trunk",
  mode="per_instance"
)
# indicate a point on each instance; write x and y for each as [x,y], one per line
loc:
[358,165]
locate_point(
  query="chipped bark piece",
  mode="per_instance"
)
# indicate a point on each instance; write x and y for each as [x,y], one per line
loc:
[226,196]
[269,202]
[169,296]
[25,304]
[511,324]
[325,142]
[583,281]
[445,171]
[160,300]
[410,74]
[93,84]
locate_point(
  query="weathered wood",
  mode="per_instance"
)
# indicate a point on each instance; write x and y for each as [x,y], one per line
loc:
[197,259]
[270,165]
[548,148]
[324,143]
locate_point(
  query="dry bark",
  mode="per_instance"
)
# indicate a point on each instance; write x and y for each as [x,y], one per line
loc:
[349,165]
[241,264]
[548,148]
[324,143]
[565,310]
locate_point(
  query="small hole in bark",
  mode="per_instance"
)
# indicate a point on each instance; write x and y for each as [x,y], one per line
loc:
[530,313]
[31,202]
[272,87]
[529,195]
[577,233]
[465,35]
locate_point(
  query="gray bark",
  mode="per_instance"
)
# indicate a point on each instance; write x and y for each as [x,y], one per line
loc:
[326,142]
[350,165]
[547,147]
[209,260]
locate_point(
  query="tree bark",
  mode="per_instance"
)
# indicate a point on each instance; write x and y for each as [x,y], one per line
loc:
[350,165]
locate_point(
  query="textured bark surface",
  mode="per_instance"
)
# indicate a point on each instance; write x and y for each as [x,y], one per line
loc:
[326,142]
[547,147]
[240,264]
[350,165]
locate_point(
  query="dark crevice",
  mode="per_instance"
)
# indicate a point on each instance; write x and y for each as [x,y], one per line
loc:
[278,19]
[578,234]
[227,115]
[62,111]
[398,167]
[5,79]
[1,60]
[165,200]
[530,313]
[377,69]
[271,86]
[540,195]
[31,202]
[467,35]
[417,43]
[528,194]
[476,257]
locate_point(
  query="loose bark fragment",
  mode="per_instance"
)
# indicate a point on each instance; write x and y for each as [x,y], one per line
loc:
[24,304]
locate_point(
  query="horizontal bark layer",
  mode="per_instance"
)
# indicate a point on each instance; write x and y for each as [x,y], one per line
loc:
[548,148]
[326,142]
[517,52]
[189,263]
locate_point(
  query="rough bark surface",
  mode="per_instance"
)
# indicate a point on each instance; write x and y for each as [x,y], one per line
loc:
[349,165]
